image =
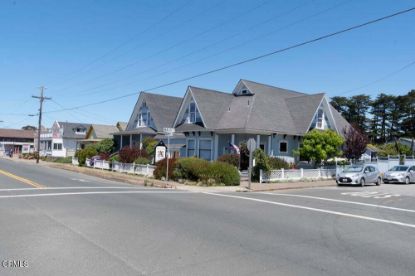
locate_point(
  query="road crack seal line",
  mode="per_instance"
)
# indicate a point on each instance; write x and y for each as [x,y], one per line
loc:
[22,179]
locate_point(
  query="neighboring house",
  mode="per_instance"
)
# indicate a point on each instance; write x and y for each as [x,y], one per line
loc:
[371,153]
[213,122]
[152,113]
[97,133]
[16,140]
[62,139]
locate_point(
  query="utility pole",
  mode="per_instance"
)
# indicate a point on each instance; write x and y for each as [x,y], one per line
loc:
[41,99]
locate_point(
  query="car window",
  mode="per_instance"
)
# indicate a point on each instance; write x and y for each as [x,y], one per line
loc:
[399,168]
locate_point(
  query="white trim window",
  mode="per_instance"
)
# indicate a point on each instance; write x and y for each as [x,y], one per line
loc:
[283,147]
[57,146]
[320,122]
[192,114]
[205,149]
[143,116]
[191,147]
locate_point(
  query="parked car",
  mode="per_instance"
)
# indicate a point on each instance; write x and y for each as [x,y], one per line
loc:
[93,159]
[359,175]
[400,174]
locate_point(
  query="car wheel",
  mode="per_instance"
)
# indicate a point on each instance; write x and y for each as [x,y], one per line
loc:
[379,181]
[407,181]
[362,182]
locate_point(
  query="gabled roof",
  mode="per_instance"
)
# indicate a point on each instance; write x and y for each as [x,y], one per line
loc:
[69,129]
[211,104]
[101,131]
[266,108]
[163,109]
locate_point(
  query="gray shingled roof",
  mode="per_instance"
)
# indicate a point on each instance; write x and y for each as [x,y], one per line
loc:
[103,131]
[69,129]
[269,109]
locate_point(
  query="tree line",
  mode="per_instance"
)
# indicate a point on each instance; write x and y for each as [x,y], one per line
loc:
[383,119]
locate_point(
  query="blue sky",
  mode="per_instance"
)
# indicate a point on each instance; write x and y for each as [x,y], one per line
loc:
[87,51]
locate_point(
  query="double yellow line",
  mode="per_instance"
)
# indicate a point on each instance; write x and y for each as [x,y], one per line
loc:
[21,179]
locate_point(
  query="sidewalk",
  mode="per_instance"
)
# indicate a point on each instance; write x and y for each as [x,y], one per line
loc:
[143,181]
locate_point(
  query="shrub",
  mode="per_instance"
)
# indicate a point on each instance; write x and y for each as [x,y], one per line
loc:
[63,160]
[114,157]
[142,161]
[190,168]
[149,144]
[105,146]
[232,159]
[244,156]
[161,166]
[85,153]
[276,163]
[261,163]
[128,155]
[222,174]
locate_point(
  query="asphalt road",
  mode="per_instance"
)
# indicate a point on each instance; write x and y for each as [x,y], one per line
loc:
[81,225]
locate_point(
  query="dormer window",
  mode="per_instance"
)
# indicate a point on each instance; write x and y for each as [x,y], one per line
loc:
[143,116]
[79,130]
[244,91]
[192,115]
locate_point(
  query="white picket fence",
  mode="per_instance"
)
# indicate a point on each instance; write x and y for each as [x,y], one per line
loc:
[296,174]
[146,170]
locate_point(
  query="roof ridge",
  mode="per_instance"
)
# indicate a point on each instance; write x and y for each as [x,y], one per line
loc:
[158,94]
[272,86]
[211,90]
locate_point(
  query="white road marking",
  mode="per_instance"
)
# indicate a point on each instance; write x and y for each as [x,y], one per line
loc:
[367,194]
[95,193]
[343,201]
[77,187]
[316,210]
[80,180]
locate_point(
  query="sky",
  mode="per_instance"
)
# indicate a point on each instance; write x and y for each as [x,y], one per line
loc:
[86,51]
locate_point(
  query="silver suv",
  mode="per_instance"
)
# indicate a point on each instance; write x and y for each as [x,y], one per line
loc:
[400,174]
[359,175]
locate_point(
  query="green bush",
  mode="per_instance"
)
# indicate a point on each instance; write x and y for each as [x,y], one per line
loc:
[232,159]
[142,161]
[149,144]
[105,146]
[85,153]
[209,173]
[276,163]
[115,157]
[261,163]
[190,168]
[161,167]
[222,173]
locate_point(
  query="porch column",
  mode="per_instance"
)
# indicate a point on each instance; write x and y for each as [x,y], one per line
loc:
[258,141]
[233,139]
[131,141]
[215,155]
[269,145]
[120,141]
[141,141]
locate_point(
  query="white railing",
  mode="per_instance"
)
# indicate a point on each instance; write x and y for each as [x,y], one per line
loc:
[146,170]
[283,175]
[131,168]
[75,161]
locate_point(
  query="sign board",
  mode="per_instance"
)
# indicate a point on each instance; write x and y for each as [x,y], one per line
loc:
[169,131]
[160,151]
[251,144]
[25,148]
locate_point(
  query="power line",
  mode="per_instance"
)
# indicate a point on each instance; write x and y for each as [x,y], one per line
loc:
[214,27]
[278,16]
[251,59]
[391,74]
[126,42]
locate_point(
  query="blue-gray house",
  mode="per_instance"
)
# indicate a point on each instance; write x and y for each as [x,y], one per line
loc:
[207,122]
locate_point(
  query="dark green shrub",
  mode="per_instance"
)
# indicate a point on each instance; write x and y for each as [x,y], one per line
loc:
[149,144]
[142,161]
[161,166]
[85,153]
[261,163]
[105,146]
[244,156]
[222,173]
[276,163]
[190,168]
[232,159]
